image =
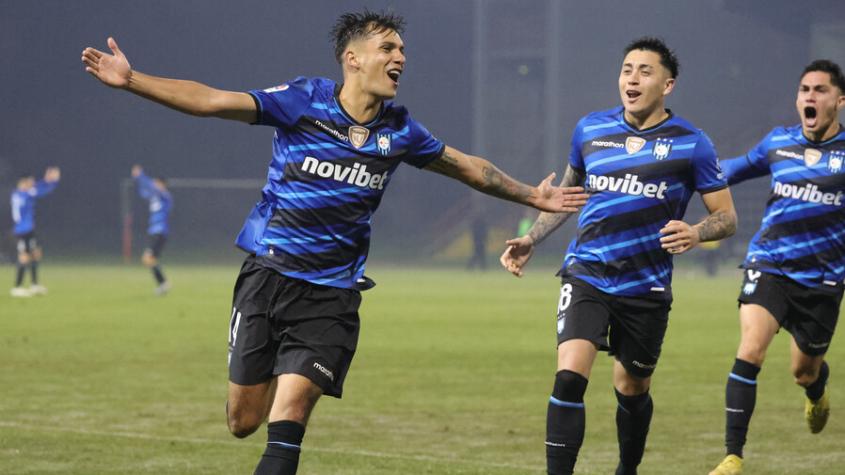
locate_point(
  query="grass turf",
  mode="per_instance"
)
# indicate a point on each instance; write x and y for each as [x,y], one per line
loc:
[452,376]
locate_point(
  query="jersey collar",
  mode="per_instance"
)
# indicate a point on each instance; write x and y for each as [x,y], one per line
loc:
[348,116]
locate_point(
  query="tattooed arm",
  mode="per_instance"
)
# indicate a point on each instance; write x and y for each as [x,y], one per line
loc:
[520,249]
[680,237]
[483,176]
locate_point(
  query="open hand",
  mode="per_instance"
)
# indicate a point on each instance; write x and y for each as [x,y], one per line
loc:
[111,69]
[559,199]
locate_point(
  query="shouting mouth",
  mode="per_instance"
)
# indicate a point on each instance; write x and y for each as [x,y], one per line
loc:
[810,116]
[394,74]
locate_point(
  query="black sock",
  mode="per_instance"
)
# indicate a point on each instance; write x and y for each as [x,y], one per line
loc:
[19,276]
[33,269]
[281,456]
[740,396]
[816,390]
[633,418]
[159,276]
[565,422]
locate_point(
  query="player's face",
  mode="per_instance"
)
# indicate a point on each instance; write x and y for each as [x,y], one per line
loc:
[380,58]
[818,102]
[643,82]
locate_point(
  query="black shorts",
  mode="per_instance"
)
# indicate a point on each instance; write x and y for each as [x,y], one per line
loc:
[26,243]
[629,328]
[808,314]
[284,325]
[155,244]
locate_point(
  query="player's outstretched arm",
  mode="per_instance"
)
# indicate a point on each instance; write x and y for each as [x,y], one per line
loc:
[519,250]
[679,237]
[486,178]
[189,97]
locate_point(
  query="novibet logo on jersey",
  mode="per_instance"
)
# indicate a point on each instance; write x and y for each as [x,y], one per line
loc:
[630,185]
[356,175]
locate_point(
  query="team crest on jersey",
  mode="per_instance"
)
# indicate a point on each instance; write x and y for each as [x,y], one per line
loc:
[751,281]
[383,142]
[282,87]
[634,144]
[812,156]
[358,135]
[662,147]
[834,161]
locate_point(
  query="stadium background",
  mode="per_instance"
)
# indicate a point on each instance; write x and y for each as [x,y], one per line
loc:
[501,78]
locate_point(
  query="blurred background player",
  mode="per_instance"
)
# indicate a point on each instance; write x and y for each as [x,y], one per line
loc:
[641,164]
[23,215]
[155,191]
[294,324]
[795,265]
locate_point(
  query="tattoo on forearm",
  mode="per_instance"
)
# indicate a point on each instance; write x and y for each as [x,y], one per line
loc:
[498,184]
[718,225]
[547,223]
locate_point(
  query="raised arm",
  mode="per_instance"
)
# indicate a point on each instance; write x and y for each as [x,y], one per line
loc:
[144,183]
[48,184]
[679,237]
[519,250]
[189,97]
[483,176]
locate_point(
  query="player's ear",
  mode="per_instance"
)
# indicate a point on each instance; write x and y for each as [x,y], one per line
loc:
[351,59]
[840,101]
[668,86]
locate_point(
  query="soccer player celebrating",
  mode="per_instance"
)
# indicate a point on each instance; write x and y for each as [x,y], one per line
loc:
[23,215]
[155,191]
[795,264]
[294,322]
[641,164]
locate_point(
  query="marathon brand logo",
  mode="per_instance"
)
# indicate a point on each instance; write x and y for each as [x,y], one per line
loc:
[334,133]
[809,193]
[643,365]
[356,175]
[324,370]
[607,144]
[630,185]
[788,154]
[282,87]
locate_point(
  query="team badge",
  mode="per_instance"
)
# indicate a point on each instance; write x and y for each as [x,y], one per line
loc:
[662,147]
[383,142]
[812,156]
[634,144]
[751,281]
[358,135]
[282,87]
[834,161]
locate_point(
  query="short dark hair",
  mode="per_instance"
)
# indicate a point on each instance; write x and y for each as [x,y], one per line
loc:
[829,67]
[667,56]
[353,26]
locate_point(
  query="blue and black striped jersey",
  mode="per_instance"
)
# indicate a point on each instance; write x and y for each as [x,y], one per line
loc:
[802,236]
[639,180]
[326,179]
[160,205]
[23,205]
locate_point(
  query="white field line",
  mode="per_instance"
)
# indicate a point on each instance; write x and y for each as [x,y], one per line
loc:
[201,441]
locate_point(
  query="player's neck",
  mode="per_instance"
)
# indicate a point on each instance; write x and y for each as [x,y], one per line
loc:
[823,135]
[647,119]
[361,106]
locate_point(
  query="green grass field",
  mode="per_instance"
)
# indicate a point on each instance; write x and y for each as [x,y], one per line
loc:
[452,376]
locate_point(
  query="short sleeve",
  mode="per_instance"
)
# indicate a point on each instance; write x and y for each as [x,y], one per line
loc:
[283,105]
[576,160]
[423,148]
[707,172]
[753,164]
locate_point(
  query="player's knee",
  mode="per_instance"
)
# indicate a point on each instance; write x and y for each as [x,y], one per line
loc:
[36,254]
[148,260]
[804,376]
[569,386]
[24,258]
[632,386]
[243,423]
